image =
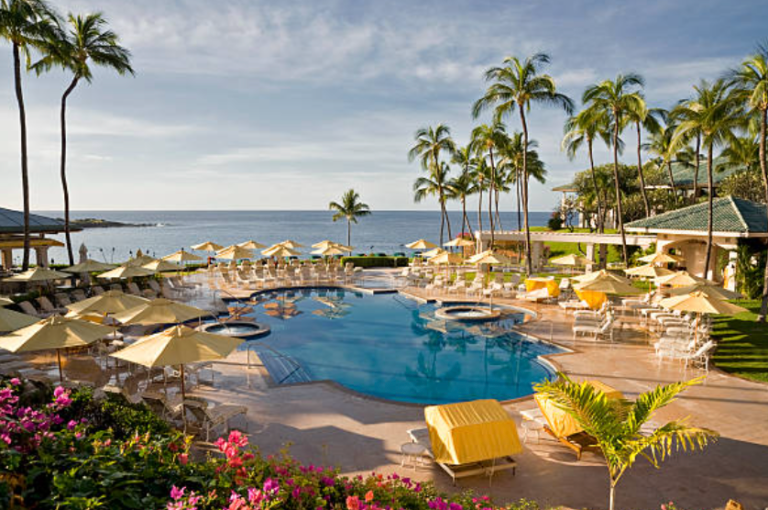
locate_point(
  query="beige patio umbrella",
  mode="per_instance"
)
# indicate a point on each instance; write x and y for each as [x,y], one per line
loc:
[572,260]
[459,242]
[11,321]
[37,274]
[489,257]
[234,252]
[680,279]
[446,258]
[252,245]
[288,243]
[329,251]
[126,272]
[325,244]
[207,246]
[699,302]
[660,258]
[608,283]
[178,345]
[112,301]
[421,244]
[581,278]
[138,261]
[432,253]
[708,289]
[5,301]
[279,251]
[54,333]
[89,266]
[649,271]
[160,311]
[181,257]
[161,265]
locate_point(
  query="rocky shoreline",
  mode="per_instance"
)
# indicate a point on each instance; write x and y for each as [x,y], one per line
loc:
[99,223]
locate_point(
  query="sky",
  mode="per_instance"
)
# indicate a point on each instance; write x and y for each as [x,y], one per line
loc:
[285,105]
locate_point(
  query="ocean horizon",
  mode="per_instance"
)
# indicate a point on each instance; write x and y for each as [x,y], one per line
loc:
[382,232]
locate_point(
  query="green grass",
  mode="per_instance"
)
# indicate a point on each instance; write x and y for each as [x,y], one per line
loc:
[743,343]
[561,249]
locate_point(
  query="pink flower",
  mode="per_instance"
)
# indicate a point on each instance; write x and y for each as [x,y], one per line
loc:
[183,458]
[353,503]
[15,381]
[369,496]
[177,493]
[71,425]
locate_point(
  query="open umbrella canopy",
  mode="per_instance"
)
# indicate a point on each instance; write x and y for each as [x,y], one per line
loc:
[126,272]
[54,333]
[608,283]
[649,271]
[234,252]
[178,345]
[582,278]
[181,256]
[660,258]
[11,321]
[207,246]
[89,266]
[138,261]
[447,258]
[489,257]
[572,259]
[325,244]
[38,274]
[252,245]
[280,250]
[421,244]
[160,311]
[329,251]
[434,252]
[160,265]
[708,289]
[112,301]
[5,301]
[701,303]
[459,242]
[680,279]
[288,243]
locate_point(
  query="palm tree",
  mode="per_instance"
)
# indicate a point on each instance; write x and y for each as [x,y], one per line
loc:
[482,175]
[581,130]
[751,86]
[714,115]
[685,111]
[87,40]
[643,118]
[435,185]
[484,139]
[615,100]
[516,85]
[616,423]
[741,152]
[512,160]
[460,188]
[26,24]
[660,145]
[430,143]
[350,209]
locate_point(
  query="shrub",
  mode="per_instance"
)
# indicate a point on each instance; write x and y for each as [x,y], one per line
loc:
[555,221]
[376,261]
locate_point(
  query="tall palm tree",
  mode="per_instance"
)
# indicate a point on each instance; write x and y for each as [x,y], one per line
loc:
[350,208]
[660,145]
[515,86]
[751,86]
[581,130]
[685,110]
[465,158]
[715,115]
[484,139]
[512,160]
[87,40]
[614,99]
[742,152]
[482,175]
[460,188]
[430,144]
[26,24]
[435,185]
[643,118]
[616,424]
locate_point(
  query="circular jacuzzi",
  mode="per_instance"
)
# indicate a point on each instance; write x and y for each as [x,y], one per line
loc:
[238,329]
[467,313]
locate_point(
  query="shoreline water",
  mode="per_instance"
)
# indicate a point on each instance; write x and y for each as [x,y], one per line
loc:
[382,232]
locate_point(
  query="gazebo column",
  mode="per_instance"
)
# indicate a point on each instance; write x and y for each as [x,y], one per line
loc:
[41,254]
[590,255]
[7,261]
[536,248]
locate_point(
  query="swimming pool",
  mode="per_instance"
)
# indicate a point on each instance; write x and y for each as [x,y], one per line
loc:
[391,347]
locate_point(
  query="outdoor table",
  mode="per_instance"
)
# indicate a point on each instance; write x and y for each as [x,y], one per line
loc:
[413,453]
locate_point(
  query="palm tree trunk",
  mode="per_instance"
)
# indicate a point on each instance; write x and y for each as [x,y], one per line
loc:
[640,173]
[480,207]
[498,216]
[696,169]
[442,219]
[710,200]
[528,261]
[64,186]
[763,121]
[491,189]
[517,186]
[447,221]
[612,497]
[465,221]
[24,168]
[672,180]
[619,211]
[349,232]
[600,227]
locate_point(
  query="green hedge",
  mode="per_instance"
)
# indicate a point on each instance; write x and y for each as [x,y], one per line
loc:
[376,261]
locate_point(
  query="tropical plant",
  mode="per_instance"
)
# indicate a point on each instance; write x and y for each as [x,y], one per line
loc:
[715,116]
[465,159]
[643,118]
[350,208]
[482,175]
[615,99]
[435,185]
[460,188]
[26,24]
[516,86]
[430,144]
[750,81]
[86,41]
[660,145]
[512,166]
[484,139]
[616,423]
[742,152]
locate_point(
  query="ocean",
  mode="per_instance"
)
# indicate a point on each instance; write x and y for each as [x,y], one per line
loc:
[382,232]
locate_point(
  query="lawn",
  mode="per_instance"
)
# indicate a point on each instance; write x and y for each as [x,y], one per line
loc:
[743,343]
[561,249]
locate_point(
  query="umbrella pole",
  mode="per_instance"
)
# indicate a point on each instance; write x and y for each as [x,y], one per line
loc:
[58,357]
[183,398]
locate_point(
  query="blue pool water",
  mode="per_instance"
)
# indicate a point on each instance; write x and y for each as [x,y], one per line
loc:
[390,347]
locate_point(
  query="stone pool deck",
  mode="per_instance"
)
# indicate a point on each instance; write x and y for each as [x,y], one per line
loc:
[326,424]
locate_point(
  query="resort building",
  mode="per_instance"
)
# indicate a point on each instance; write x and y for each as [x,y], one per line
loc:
[12,235]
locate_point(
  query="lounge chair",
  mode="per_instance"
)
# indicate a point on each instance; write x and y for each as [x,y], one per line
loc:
[160,405]
[62,299]
[97,290]
[564,428]
[29,309]
[208,418]
[77,295]
[117,287]
[134,289]
[604,329]
[536,296]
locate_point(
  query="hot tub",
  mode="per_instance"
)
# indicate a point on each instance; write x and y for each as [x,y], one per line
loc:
[238,329]
[467,313]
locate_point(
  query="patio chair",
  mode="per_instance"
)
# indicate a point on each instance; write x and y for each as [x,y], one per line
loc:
[594,329]
[62,299]
[209,418]
[117,287]
[564,428]
[29,309]
[159,404]
[701,356]
[47,307]
[134,289]
[97,290]
[77,295]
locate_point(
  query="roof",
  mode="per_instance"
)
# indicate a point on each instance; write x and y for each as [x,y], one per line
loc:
[683,174]
[12,222]
[730,214]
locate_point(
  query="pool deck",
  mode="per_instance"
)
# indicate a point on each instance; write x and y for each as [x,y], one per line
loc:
[325,424]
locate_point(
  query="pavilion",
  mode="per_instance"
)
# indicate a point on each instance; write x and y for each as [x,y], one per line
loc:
[12,235]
